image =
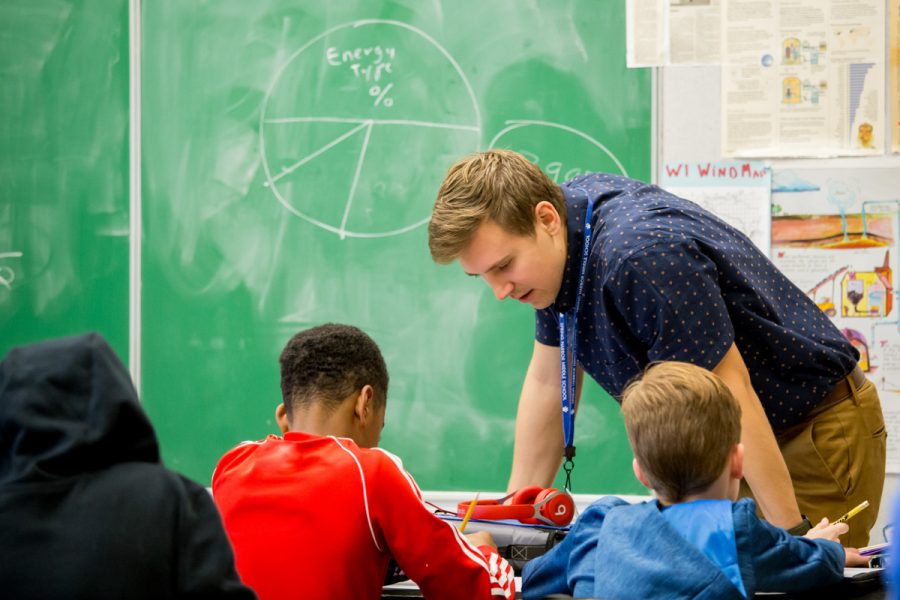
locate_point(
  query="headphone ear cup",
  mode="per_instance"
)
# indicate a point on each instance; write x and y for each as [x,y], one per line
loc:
[526,496]
[559,509]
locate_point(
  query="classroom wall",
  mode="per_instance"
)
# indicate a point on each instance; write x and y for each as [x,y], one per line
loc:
[65,163]
[689,126]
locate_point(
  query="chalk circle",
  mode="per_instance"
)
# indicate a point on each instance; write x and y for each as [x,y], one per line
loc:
[360,124]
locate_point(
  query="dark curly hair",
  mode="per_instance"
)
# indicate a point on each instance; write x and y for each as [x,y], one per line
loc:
[328,363]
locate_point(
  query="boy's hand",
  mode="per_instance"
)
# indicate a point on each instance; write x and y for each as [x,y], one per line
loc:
[827,531]
[852,558]
[482,538]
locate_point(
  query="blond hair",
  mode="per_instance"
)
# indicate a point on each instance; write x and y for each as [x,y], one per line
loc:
[682,422]
[500,185]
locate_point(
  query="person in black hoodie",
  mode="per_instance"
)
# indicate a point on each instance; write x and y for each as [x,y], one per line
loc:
[87,510]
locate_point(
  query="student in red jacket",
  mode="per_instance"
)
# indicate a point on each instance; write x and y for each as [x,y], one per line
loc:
[320,512]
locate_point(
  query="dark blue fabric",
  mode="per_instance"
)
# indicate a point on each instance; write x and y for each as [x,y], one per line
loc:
[892,572]
[623,551]
[667,280]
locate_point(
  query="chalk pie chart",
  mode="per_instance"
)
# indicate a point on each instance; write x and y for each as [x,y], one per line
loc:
[360,124]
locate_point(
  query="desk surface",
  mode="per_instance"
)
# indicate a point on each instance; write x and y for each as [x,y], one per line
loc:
[867,586]
[859,584]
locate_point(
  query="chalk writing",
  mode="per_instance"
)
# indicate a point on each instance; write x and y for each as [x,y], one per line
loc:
[366,63]
[553,169]
[381,96]
[7,275]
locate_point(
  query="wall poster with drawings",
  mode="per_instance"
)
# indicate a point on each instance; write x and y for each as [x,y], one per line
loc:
[737,191]
[835,234]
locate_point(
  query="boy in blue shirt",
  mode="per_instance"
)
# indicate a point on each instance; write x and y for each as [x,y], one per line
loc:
[694,541]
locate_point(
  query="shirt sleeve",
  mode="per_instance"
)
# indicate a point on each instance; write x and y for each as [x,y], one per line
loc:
[548,574]
[786,563]
[568,568]
[546,327]
[667,297]
[431,551]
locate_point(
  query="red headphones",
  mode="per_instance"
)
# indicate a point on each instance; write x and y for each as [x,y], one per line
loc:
[531,504]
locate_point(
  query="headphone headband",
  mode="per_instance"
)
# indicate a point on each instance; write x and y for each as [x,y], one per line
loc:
[548,506]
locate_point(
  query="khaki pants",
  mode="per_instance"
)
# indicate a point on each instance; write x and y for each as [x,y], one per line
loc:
[837,459]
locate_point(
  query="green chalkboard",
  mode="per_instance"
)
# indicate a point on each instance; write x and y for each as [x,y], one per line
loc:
[64,208]
[291,155]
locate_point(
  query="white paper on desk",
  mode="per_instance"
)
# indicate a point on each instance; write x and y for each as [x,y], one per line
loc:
[851,571]
[409,584]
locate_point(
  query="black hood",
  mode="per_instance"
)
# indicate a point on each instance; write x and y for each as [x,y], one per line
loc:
[67,407]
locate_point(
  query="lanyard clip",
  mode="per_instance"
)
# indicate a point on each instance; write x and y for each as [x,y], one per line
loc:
[568,465]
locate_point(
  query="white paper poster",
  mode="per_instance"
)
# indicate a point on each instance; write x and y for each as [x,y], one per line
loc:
[673,32]
[736,191]
[835,235]
[803,78]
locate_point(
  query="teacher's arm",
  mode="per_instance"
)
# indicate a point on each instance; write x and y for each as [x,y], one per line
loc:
[537,453]
[764,467]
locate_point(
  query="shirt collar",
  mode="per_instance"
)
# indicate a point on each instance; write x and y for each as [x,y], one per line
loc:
[576,204]
[303,436]
[300,436]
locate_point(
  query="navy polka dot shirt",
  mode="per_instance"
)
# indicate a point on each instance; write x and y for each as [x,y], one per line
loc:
[667,280]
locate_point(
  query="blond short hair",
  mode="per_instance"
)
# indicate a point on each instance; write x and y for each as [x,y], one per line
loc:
[682,422]
[500,185]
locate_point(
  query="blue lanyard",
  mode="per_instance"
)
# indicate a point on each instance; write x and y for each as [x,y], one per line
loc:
[567,372]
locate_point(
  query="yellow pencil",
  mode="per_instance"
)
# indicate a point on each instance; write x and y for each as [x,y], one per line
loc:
[853,512]
[465,521]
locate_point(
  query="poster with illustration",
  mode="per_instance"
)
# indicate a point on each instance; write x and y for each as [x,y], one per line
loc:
[737,191]
[835,234]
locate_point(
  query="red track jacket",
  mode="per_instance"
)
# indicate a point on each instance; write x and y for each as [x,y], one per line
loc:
[318,517]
